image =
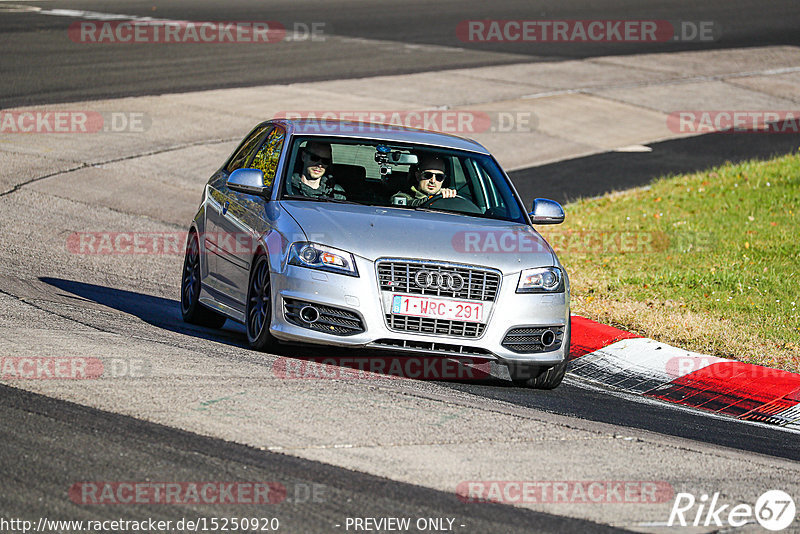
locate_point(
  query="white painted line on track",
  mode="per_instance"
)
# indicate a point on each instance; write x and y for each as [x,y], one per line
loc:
[670,81]
[13,8]
[96,15]
[633,148]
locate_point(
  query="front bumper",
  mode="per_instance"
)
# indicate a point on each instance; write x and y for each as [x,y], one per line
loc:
[362,297]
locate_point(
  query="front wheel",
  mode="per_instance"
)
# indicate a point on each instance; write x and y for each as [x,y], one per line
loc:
[548,378]
[551,378]
[259,306]
[192,311]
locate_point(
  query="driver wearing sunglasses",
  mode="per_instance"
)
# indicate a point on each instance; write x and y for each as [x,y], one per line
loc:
[315,180]
[427,182]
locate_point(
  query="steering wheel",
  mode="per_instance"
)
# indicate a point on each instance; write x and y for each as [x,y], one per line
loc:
[456,203]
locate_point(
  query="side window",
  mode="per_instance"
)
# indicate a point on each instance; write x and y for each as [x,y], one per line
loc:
[267,157]
[458,178]
[246,148]
[477,184]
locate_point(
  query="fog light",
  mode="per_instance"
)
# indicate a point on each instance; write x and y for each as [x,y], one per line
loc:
[548,338]
[309,314]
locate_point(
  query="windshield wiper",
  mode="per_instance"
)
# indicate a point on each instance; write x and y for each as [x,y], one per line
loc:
[439,210]
[429,209]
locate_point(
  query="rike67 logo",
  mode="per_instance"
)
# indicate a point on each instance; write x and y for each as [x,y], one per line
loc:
[774,510]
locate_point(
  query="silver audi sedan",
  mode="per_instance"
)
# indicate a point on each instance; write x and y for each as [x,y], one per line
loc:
[366,235]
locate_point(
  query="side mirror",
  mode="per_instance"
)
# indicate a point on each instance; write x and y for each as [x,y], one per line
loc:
[249,181]
[546,211]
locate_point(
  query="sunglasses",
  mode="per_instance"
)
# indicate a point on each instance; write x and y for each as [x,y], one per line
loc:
[316,158]
[427,175]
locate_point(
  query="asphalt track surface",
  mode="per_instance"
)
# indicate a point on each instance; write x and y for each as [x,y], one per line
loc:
[59,443]
[595,175]
[40,64]
[49,444]
[572,398]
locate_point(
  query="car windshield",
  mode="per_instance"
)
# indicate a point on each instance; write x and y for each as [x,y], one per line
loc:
[398,175]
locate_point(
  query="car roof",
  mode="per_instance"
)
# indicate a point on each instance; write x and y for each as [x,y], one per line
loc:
[384,132]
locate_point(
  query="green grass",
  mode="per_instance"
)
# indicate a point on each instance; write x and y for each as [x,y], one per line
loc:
[724,243]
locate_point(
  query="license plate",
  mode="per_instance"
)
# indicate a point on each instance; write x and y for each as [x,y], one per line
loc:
[455,310]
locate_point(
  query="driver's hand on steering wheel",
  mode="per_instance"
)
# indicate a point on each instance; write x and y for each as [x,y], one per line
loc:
[448,193]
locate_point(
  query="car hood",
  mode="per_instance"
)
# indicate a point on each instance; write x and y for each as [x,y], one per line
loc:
[374,232]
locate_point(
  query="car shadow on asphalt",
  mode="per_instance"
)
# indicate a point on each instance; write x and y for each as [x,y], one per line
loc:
[571,398]
[157,311]
[299,361]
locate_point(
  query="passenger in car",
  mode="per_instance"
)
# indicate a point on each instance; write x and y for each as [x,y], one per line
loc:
[315,180]
[426,182]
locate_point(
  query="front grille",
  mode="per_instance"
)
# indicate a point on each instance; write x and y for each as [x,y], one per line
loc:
[529,339]
[430,346]
[442,327]
[331,320]
[399,277]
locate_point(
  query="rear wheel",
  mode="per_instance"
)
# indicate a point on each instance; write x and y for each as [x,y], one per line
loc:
[192,311]
[259,306]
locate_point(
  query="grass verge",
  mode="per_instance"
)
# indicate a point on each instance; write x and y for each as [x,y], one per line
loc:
[708,261]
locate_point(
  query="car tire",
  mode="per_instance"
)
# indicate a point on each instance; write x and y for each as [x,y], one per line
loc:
[551,378]
[258,314]
[548,378]
[521,374]
[192,310]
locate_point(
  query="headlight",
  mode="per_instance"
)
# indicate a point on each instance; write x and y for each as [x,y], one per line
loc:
[541,280]
[316,256]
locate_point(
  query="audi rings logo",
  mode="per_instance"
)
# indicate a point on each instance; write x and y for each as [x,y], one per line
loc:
[434,280]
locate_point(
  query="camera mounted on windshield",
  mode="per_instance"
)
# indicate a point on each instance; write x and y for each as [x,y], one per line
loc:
[386,157]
